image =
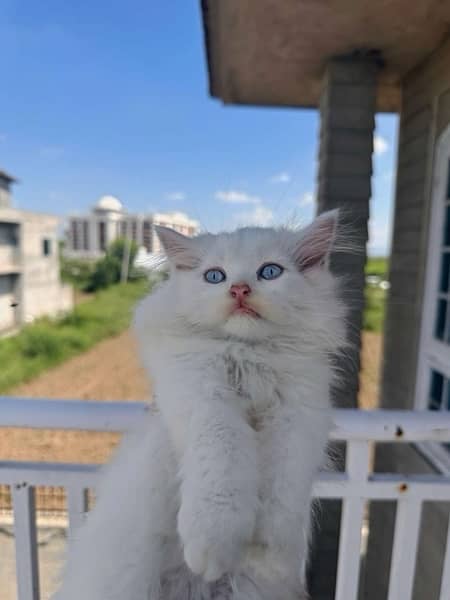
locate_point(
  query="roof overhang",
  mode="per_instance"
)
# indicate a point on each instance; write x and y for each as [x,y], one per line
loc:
[6,177]
[274,52]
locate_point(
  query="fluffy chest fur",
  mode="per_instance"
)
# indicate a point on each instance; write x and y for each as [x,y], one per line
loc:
[254,381]
[250,375]
[189,373]
[258,379]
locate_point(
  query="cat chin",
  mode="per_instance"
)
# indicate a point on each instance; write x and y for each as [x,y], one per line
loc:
[246,327]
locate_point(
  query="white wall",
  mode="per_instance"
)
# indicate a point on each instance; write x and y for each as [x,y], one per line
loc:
[7,297]
[42,292]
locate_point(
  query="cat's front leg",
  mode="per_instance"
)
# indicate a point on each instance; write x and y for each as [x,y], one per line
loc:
[293,445]
[219,488]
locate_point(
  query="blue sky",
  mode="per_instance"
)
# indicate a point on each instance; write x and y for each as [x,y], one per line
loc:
[111,98]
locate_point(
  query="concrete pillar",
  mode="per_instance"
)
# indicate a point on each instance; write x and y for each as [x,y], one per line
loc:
[347,111]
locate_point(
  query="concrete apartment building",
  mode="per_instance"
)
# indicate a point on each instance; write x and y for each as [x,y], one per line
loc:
[89,235]
[30,284]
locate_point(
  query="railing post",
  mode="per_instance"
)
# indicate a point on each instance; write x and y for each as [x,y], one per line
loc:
[77,505]
[445,581]
[406,537]
[349,558]
[27,571]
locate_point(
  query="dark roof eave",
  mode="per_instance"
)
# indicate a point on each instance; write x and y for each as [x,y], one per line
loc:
[254,69]
[206,42]
[9,178]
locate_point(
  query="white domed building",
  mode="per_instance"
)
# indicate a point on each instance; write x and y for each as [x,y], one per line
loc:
[89,235]
[108,204]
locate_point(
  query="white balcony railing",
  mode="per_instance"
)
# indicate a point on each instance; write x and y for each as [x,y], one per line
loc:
[355,486]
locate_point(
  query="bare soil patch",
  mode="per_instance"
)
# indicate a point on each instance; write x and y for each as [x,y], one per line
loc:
[109,371]
[371,365]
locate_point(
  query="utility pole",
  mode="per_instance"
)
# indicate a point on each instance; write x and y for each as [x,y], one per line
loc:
[126,256]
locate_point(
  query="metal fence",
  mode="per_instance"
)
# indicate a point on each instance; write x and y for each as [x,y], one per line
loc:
[355,486]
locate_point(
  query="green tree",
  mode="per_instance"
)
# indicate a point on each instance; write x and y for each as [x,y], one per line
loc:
[76,271]
[108,269]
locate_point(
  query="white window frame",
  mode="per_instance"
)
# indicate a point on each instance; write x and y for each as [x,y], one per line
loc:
[434,354]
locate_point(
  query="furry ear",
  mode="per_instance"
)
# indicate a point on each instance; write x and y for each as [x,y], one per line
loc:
[316,242]
[180,250]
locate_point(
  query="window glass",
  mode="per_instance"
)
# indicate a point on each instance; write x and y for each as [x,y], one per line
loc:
[441,314]
[46,247]
[436,388]
[447,226]
[445,273]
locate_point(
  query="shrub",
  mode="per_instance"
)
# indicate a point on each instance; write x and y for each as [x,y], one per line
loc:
[76,271]
[108,270]
[374,312]
[42,340]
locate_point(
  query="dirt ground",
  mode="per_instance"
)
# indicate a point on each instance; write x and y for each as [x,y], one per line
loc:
[111,371]
[371,363]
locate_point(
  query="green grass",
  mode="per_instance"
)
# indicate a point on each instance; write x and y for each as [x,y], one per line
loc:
[373,318]
[374,312]
[47,343]
[377,265]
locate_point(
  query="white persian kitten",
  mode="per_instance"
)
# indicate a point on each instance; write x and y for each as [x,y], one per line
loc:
[210,497]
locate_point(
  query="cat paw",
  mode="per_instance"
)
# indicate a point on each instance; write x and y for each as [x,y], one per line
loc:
[211,561]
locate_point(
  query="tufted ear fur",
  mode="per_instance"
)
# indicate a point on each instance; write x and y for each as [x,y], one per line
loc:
[316,242]
[180,250]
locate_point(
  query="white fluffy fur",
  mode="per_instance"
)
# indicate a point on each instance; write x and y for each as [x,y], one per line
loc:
[210,498]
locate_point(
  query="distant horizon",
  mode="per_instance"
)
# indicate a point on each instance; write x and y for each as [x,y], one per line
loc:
[371,252]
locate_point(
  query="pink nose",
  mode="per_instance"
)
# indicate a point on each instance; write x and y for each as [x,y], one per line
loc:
[240,291]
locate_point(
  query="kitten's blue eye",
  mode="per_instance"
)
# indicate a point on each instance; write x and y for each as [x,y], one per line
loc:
[270,271]
[214,276]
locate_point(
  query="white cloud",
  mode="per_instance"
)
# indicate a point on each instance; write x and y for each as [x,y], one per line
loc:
[280,178]
[307,199]
[236,197]
[380,145]
[176,196]
[260,216]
